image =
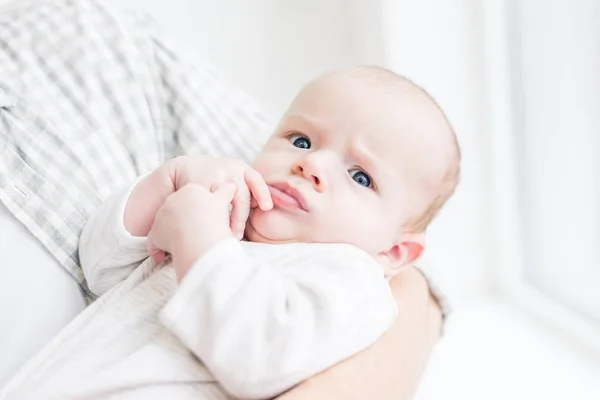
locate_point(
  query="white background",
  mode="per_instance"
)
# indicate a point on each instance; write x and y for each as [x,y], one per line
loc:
[493,348]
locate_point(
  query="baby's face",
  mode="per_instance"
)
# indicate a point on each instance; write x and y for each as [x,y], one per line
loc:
[337,167]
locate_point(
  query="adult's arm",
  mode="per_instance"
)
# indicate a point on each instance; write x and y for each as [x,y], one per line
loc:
[392,367]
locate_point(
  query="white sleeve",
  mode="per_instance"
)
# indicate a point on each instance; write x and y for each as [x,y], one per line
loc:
[262,329]
[107,251]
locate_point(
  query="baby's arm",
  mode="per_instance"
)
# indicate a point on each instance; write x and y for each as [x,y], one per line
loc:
[261,329]
[107,251]
[113,241]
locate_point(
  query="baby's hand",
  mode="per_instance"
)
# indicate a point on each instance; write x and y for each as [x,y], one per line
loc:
[191,220]
[211,172]
[208,172]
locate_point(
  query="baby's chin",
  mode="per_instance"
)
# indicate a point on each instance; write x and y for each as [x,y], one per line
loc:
[270,227]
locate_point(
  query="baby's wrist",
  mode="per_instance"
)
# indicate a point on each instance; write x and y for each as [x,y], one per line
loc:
[188,252]
[146,198]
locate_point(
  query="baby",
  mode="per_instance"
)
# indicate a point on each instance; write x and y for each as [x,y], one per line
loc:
[337,201]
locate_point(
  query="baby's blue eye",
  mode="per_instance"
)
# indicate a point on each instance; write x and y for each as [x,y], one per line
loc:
[300,141]
[361,177]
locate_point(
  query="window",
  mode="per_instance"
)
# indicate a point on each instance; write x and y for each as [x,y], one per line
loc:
[547,158]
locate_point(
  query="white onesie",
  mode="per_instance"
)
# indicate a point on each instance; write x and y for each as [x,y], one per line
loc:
[250,320]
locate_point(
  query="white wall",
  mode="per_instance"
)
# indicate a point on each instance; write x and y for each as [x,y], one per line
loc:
[439,44]
[271,47]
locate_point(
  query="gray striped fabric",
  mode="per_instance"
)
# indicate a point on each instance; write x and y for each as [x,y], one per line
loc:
[90,98]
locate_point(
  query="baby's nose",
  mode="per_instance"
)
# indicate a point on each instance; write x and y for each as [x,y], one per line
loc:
[316,168]
[316,181]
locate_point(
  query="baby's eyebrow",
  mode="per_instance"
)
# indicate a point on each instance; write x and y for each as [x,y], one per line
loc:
[298,118]
[366,159]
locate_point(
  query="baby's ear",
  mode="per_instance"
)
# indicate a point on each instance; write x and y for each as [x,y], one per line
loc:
[403,253]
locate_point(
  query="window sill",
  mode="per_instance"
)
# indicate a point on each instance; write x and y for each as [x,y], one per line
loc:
[492,350]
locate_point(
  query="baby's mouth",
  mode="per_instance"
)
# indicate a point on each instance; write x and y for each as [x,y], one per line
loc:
[287,197]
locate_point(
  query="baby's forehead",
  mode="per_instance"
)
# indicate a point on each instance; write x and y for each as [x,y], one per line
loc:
[392,117]
[389,119]
[350,97]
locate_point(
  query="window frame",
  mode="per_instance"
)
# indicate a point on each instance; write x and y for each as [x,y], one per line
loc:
[504,119]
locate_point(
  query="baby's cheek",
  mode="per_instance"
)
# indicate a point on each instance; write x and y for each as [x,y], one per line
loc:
[344,227]
[272,225]
[371,230]
[270,163]
[258,165]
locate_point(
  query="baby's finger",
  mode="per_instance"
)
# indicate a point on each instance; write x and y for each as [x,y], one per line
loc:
[157,255]
[226,191]
[240,210]
[259,189]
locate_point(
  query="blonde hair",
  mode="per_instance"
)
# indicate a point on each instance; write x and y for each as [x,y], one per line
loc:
[445,190]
